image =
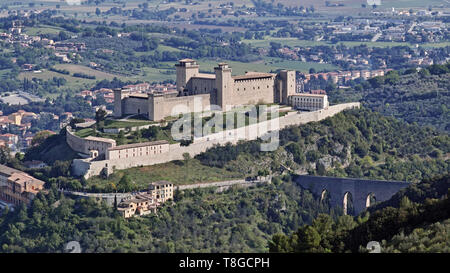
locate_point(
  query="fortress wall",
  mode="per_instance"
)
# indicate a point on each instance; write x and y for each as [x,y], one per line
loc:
[251,94]
[82,167]
[83,145]
[201,85]
[132,105]
[306,117]
[75,143]
[201,144]
[163,106]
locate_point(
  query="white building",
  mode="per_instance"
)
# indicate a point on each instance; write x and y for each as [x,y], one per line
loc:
[309,102]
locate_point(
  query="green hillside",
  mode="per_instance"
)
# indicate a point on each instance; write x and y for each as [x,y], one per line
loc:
[415,97]
[407,226]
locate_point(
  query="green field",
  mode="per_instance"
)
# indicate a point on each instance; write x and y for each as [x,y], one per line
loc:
[294,42]
[85,132]
[269,64]
[150,74]
[73,83]
[42,30]
[177,172]
[410,3]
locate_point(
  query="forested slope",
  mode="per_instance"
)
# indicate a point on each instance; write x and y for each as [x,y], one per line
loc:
[421,97]
[202,220]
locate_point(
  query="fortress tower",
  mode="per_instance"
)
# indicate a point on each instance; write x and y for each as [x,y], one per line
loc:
[224,84]
[118,96]
[186,69]
[288,85]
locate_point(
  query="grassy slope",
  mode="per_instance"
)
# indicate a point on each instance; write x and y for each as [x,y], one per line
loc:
[54,148]
[176,171]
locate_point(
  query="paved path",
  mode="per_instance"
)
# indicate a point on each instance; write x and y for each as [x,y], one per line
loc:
[220,184]
[100,195]
[180,187]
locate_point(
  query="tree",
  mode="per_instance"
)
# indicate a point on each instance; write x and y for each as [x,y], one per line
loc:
[97,11]
[75,121]
[100,117]
[19,156]
[186,158]
[60,168]
[308,240]
[40,137]
[5,156]
[424,72]
[280,244]
[125,184]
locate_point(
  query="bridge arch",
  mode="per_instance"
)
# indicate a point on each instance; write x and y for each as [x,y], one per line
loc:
[371,199]
[325,198]
[347,203]
[325,195]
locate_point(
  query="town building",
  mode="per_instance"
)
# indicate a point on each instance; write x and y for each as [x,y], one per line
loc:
[17,187]
[141,204]
[146,203]
[128,151]
[161,191]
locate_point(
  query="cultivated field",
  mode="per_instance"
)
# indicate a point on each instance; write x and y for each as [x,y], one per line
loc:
[294,42]
[73,83]
[269,64]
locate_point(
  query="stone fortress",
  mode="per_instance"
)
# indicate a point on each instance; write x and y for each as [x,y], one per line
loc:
[98,162]
[221,89]
[103,156]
